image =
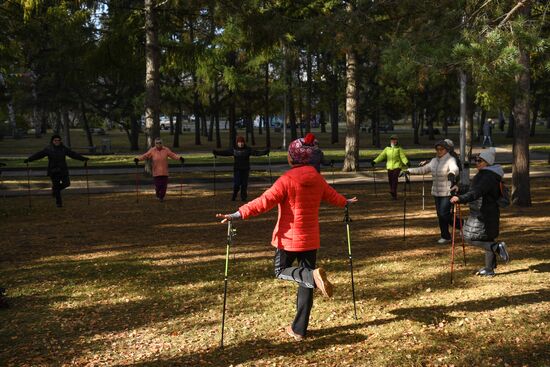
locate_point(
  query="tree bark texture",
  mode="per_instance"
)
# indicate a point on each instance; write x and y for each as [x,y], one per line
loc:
[351,159]
[152,73]
[521,190]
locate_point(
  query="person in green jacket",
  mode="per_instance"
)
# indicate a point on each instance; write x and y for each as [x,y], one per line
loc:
[395,159]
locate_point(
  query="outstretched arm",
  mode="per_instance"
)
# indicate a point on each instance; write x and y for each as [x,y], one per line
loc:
[75,155]
[38,155]
[260,152]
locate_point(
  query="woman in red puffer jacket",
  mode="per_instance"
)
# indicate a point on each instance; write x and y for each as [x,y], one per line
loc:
[298,194]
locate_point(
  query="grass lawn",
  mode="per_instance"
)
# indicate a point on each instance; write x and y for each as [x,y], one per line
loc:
[120,283]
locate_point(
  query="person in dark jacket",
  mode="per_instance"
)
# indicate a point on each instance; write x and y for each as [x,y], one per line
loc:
[241,165]
[482,226]
[317,157]
[57,166]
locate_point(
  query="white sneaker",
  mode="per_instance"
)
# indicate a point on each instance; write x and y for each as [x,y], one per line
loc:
[442,240]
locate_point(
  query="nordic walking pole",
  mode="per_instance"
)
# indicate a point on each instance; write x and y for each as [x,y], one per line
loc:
[347,220]
[29,183]
[87,182]
[407,181]
[137,181]
[453,245]
[230,233]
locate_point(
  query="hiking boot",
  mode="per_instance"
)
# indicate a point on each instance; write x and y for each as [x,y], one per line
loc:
[291,332]
[443,240]
[321,282]
[503,252]
[486,272]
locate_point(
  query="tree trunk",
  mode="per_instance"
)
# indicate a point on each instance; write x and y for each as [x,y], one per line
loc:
[152,73]
[375,128]
[521,191]
[177,129]
[217,115]
[481,122]
[351,160]
[232,118]
[266,107]
[469,126]
[66,129]
[536,107]
[290,102]
[86,125]
[171,117]
[334,103]
[322,121]
[212,119]
[300,103]
[309,91]
[511,123]
[196,106]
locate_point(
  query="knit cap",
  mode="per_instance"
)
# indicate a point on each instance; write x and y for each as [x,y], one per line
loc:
[299,152]
[488,155]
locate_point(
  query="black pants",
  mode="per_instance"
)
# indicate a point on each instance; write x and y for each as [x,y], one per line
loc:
[59,182]
[301,274]
[490,248]
[444,208]
[393,179]
[240,182]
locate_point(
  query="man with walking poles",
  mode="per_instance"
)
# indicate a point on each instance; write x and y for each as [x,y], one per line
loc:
[298,194]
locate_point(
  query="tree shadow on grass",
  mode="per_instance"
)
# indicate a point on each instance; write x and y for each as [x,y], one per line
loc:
[251,350]
[429,315]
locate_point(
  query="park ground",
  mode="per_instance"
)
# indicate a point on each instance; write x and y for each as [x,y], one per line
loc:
[123,283]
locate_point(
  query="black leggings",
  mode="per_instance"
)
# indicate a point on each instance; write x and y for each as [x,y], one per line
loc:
[59,182]
[301,274]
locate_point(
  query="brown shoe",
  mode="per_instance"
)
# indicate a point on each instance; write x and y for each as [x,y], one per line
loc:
[321,282]
[291,332]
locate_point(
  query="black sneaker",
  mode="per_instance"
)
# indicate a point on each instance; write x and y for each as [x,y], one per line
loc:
[486,272]
[503,252]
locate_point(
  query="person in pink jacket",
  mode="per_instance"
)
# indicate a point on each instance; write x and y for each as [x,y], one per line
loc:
[159,156]
[298,194]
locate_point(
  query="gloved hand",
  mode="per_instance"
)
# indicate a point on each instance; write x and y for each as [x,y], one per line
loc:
[136,161]
[332,163]
[85,163]
[403,173]
[182,160]
[2,164]
[26,161]
[372,163]
[451,177]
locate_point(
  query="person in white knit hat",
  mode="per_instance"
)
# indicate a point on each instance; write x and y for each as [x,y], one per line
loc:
[482,226]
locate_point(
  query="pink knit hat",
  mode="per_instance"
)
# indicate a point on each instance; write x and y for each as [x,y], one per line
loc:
[299,152]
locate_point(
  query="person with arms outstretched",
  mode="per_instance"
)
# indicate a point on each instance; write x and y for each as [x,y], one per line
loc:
[159,155]
[298,194]
[58,171]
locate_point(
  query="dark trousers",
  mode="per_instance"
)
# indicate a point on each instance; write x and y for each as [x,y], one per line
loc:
[444,207]
[393,179]
[59,182]
[301,274]
[161,183]
[490,248]
[240,182]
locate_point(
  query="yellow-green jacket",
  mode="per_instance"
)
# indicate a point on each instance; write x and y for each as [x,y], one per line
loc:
[394,157]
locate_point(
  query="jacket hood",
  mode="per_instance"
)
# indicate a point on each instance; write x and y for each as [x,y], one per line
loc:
[304,175]
[496,168]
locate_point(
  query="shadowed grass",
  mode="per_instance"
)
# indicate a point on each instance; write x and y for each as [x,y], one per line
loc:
[125,283]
